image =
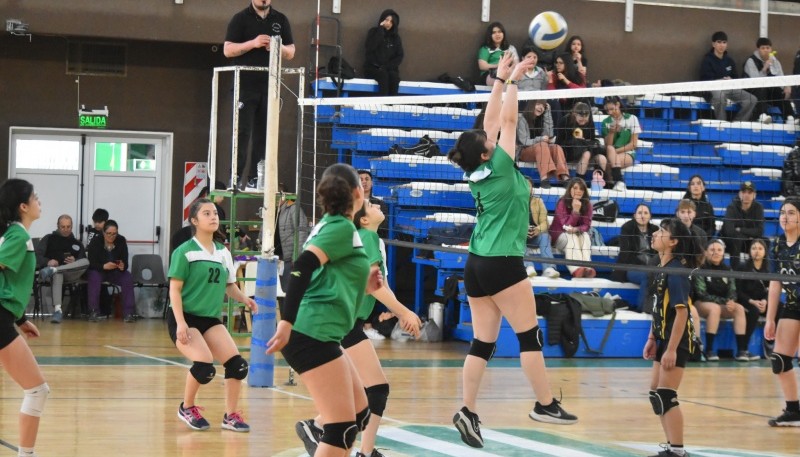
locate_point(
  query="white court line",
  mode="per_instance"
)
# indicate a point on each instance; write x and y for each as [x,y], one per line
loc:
[532,445]
[432,444]
[178,364]
[276,389]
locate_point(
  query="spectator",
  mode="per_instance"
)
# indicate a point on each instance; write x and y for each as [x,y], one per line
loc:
[99,218]
[743,221]
[535,79]
[704,218]
[495,44]
[575,47]
[687,213]
[635,248]
[752,293]
[384,53]
[291,220]
[536,143]
[61,258]
[715,299]
[539,236]
[575,133]
[571,225]
[247,42]
[565,75]
[763,63]
[717,65]
[621,134]
[108,262]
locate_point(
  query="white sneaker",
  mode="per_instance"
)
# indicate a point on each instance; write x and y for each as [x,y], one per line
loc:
[765,119]
[373,334]
[790,120]
[620,187]
[531,271]
[551,273]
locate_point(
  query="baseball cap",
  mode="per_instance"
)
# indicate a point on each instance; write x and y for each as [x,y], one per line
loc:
[747,185]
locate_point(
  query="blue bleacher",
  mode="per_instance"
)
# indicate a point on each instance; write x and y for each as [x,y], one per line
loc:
[426,193]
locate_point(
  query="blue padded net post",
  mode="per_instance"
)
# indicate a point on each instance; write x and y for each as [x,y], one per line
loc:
[262,366]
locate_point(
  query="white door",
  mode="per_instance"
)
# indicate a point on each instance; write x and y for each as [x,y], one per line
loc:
[122,178]
[76,171]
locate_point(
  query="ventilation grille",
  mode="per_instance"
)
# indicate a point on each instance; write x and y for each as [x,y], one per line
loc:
[93,58]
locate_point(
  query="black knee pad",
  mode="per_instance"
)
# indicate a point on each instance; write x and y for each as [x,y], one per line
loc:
[203,372]
[362,418]
[663,400]
[340,434]
[377,397]
[780,363]
[236,367]
[481,349]
[531,340]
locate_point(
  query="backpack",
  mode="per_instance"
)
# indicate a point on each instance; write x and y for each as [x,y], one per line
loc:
[790,174]
[461,82]
[426,147]
[605,211]
[339,68]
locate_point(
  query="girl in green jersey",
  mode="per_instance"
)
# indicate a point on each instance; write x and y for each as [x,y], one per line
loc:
[495,279]
[19,207]
[201,273]
[327,284]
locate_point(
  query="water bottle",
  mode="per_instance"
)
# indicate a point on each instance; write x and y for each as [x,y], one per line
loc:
[260,171]
[436,314]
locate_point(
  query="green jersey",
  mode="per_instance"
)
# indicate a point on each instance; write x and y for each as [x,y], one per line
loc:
[372,247]
[629,124]
[19,260]
[328,308]
[205,276]
[501,196]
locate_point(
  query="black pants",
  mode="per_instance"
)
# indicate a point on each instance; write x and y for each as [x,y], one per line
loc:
[252,130]
[388,79]
[771,96]
[751,314]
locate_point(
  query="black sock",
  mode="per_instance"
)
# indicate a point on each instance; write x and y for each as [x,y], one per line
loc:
[710,342]
[741,343]
[793,406]
[616,174]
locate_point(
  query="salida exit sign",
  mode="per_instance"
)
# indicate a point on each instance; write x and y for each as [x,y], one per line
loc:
[93,119]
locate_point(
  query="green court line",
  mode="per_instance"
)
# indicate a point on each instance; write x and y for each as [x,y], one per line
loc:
[396,363]
[451,435]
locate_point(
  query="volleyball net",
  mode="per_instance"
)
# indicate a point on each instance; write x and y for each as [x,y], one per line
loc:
[735,135]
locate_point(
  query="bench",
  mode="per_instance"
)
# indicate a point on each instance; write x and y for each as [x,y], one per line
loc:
[364,86]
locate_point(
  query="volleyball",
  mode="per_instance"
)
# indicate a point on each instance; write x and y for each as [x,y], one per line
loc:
[548,30]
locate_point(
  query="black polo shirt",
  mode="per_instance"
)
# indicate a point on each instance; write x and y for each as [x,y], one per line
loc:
[246,25]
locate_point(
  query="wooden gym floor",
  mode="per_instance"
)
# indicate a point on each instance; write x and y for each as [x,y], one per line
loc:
[116,388]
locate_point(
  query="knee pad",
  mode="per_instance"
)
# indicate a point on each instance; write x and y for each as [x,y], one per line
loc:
[663,400]
[340,434]
[203,372]
[780,363]
[531,340]
[236,367]
[362,418]
[377,397]
[33,403]
[481,349]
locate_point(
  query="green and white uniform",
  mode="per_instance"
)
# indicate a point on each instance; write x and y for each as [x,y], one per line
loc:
[501,196]
[328,309]
[205,276]
[629,124]
[372,247]
[19,260]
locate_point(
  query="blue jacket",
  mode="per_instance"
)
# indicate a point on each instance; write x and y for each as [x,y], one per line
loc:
[714,68]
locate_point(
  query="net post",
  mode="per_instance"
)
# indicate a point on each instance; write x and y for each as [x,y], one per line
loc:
[262,366]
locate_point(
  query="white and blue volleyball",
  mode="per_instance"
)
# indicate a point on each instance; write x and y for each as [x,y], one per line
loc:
[548,30]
